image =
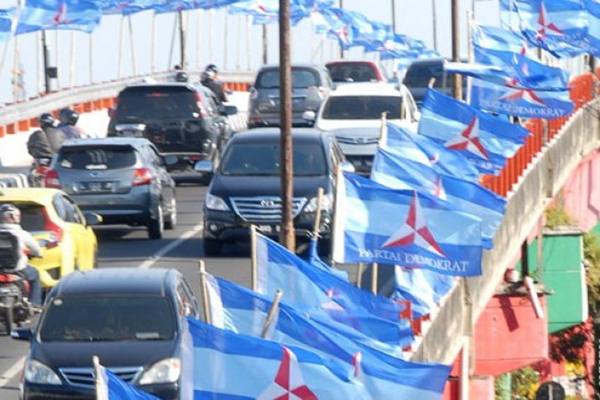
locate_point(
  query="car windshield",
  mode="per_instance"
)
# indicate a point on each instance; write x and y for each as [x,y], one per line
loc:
[97,318]
[97,158]
[352,72]
[262,159]
[32,216]
[302,78]
[362,107]
[143,103]
[419,76]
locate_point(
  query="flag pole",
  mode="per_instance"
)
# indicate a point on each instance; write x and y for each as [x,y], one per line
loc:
[131,45]
[374,277]
[272,312]
[152,43]
[470,56]
[334,221]
[100,389]
[120,63]
[204,292]
[317,224]
[72,60]
[172,49]
[253,258]
[360,269]
[383,129]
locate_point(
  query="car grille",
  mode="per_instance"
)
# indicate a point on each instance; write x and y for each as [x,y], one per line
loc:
[356,140]
[85,376]
[263,208]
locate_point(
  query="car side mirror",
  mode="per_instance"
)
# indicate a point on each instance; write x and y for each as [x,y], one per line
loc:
[169,160]
[228,110]
[347,166]
[309,116]
[204,166]
[24,334]
[92,219]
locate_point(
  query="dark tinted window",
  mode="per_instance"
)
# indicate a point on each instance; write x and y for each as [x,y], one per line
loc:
[352,72]
[141,103]
[301,78]
[419,76]
[32,216]
[97,158]
[263,159]
[108,319]
[362,107]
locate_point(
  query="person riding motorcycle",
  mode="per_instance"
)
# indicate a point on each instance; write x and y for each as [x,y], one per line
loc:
[45,142]
[68,124]
[10,221]
[210,79]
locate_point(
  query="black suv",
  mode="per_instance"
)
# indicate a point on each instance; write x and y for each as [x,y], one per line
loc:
[132,319]
[179,118]
[245,188]
[419,75]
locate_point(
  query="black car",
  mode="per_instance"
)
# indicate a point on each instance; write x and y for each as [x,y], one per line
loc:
[419,74]
[179,118]
[132,319]
[245,188]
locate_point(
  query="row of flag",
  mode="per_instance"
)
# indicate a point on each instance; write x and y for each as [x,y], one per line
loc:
[349,28]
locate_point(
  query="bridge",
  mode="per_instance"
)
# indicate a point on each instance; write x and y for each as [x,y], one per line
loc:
[549,161]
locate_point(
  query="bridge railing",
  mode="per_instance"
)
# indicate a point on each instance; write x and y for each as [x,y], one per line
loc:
[21,117]
[530,180]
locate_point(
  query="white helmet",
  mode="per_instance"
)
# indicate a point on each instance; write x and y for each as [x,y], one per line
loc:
[9,214]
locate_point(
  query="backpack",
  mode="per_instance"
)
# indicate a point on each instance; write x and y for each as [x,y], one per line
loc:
[9,251]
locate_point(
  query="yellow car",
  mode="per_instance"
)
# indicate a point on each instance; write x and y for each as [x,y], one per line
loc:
[68,242]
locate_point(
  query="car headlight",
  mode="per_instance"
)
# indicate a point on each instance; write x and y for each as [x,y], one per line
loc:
[36,372]
[216,203]
[326,204]
[164,371]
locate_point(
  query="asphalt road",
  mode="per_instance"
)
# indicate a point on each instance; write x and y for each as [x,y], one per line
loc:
[180,249]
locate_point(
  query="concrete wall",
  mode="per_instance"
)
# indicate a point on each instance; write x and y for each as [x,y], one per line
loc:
[581,195]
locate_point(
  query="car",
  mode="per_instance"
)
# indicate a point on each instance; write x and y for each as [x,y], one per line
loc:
[310,85]
[246,186]
[180,119]
[52,217]
[347,71]
[122,179]
[419,74]
[353,114]
[132,319]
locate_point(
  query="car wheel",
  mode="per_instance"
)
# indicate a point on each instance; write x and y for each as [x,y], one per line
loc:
[212,247]
[156,225]
[171,220]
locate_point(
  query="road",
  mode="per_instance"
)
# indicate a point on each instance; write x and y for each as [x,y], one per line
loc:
[180,249]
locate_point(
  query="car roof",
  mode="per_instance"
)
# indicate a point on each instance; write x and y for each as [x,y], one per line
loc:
[109,141]
[367,89]
[350,61]
[159,84]
[30,195]
[117,281]
[270,134]
[298,65]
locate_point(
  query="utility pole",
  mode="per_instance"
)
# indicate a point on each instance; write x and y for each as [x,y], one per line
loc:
[265,47]
[434,17]
[393,8]
[456,48]
[182,60]
[341,46]
[288,236]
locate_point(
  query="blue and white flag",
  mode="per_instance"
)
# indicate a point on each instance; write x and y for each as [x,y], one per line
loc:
[375,224]
[234,366]
[110,387]
[394,171]
[425,151]
[382,373]
[487,141]
[527,103]
[80,15]
[317,291]
[313,258]
[128,7]
[8,18]
[554,25]
[424,289]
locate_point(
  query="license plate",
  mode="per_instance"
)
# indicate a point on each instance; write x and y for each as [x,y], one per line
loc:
[96,186]
[269,228]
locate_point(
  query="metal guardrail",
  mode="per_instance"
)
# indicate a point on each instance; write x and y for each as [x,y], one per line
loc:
[542,180]
[13,113]
[13,180]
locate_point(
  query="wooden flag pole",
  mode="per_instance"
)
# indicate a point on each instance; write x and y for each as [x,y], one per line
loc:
[272,312]
[359,271]
[374,277]
[253,258]
[318,212]
[101,393]
[204,293]
[383,129]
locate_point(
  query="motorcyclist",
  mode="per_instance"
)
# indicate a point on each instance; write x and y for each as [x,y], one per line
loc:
[10,221]
[210,79]
[181,76]
[45,142]
[68,124]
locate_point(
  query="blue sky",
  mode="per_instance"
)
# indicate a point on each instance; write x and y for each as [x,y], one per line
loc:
[235,48]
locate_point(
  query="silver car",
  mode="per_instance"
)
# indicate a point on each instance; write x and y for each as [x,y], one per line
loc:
[122,179]
[310,85]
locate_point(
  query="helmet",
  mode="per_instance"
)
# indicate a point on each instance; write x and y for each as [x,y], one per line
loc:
[46,120]
[9,214]
[181,76]
[211,68]
[68,116]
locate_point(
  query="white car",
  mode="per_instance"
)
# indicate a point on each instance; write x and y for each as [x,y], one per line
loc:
[353,114]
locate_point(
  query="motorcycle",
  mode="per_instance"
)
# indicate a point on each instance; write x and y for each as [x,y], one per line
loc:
[38,171]
[14,288]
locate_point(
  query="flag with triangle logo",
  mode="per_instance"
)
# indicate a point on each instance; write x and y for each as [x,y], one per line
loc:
[81,15]
[376,224]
